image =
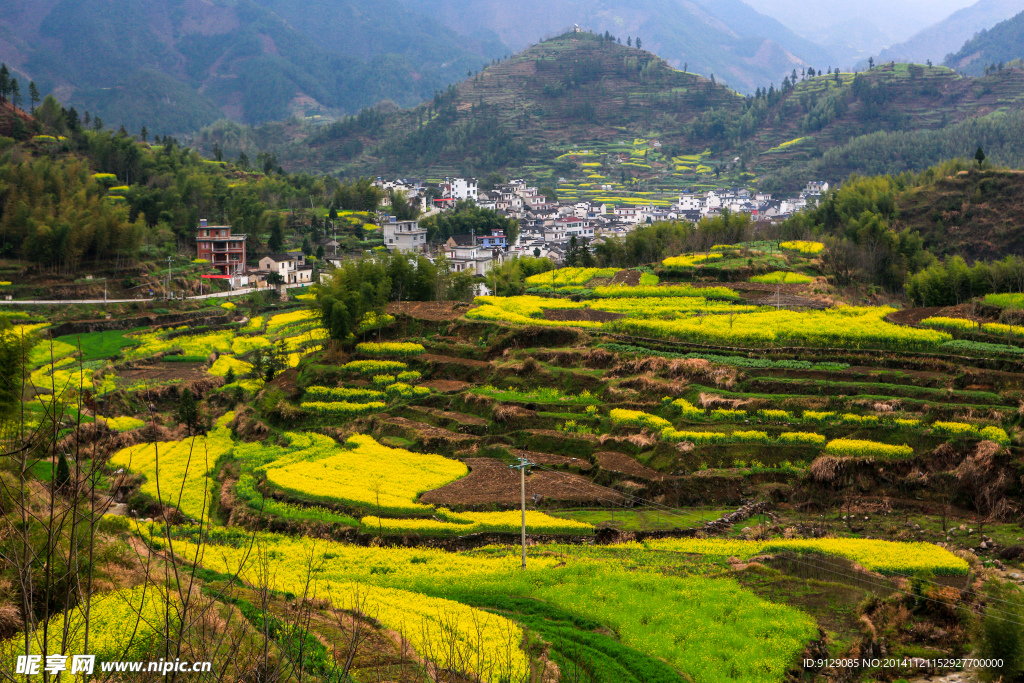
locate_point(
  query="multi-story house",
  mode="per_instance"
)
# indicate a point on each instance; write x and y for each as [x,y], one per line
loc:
[403,235]
[460,188]
[224,251]
[288,267]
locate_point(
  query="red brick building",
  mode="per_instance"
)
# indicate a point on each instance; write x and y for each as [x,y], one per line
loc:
[224,251]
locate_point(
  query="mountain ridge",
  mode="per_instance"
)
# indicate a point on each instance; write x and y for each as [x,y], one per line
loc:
[1004,42]
[948,35]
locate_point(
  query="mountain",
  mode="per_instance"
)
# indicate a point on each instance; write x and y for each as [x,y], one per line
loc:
[727,38]
[948,35]
[175,65]
[854,30]
[583,107]
[1003,43]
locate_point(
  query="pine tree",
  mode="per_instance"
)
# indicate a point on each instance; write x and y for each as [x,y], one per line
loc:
[276,241]
[15,93]
[33,95]
[979,156]
[5,81]
[144,134]
[62,477]
[188,410]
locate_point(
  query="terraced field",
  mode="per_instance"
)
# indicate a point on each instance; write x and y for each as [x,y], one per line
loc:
[716,489]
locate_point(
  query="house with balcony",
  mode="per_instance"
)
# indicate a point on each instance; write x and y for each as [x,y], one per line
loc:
[225,251]
[403,235]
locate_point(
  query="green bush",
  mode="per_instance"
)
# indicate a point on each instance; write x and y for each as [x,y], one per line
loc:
[1002,631]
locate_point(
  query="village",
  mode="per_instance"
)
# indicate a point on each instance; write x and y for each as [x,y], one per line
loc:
[547,229]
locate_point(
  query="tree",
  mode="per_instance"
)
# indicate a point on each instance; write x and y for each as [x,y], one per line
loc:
[188,410]
[465,217]
[629,41]
[638,42]
[307,247]
[15,92]
[276,241]
[243,160]
[5,81]
[217,153]
[979,156]
[97,124]
[33,94]
[62,477]
[871,62]
[1002,636]
[144,134]
[685,66]
[320,252]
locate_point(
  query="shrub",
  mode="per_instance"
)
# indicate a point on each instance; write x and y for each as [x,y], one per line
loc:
[860,420]
[801,439]
[688,410]
[636,418]
[958,324]
[783,277]
[775,415]
[390,348]
[357,395]
[403,390]
[867,449]
[341,408]
[383,380]
[803,247]
[374,367]
[1002,630]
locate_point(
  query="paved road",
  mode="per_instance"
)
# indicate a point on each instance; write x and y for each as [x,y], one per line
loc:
[236,292]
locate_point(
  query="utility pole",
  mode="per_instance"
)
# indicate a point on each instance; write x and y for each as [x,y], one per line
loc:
[104,290]
[523,464]
[168,277]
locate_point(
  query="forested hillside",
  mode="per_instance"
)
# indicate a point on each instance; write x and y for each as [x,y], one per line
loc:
[991,49]
[176,66]
[73,198]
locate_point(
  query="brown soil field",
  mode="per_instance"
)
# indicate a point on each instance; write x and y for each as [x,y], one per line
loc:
[620,462]
[461,418]
[452,360]
[914,316]
[434,311]
[491,481]
[163,372]
[627,277]
[580,314]
[552,459]
[447,386]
